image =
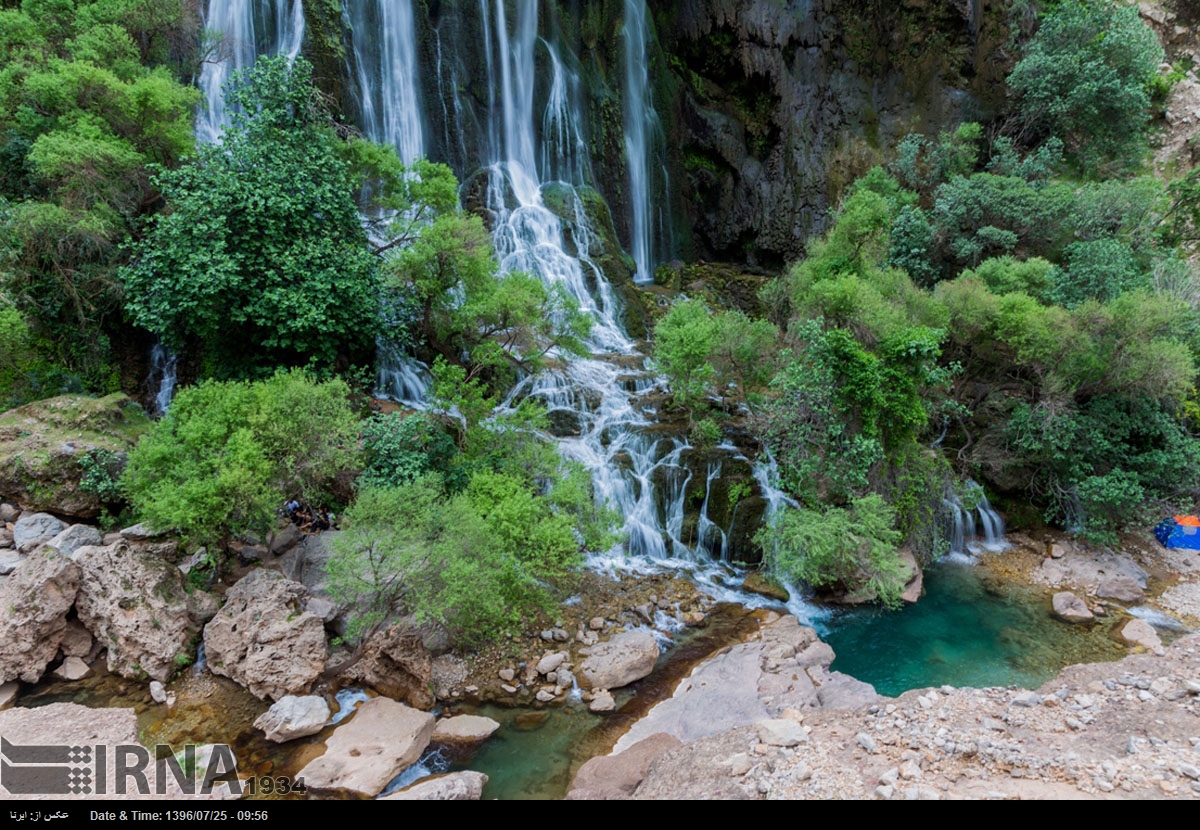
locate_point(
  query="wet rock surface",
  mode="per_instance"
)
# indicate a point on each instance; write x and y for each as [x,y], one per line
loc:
[365,753]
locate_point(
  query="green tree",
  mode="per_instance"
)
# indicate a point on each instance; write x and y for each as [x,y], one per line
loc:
[683,342]
[1086,77]
[87,107]
[227,455]
[261,258]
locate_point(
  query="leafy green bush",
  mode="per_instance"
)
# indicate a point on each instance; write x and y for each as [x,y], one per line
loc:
[478,563]
[399,448]
[853,549]
[1087,77]
[227,455]
[683,340]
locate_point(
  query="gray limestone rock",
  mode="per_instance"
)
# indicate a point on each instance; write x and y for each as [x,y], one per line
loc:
[35,529]
[293,717]
[264,640]
[369,750]
[35,601]
[1070,608]
[620,661]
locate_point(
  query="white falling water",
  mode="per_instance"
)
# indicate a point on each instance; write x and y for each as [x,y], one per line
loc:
[246,29]
[973,530]
[385,67]
[162,377]
[641,125]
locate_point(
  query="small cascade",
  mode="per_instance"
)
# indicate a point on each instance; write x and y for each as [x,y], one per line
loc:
[384,66]
[642,136]
[400,377]
[162,378]
[968,537]
[709,537]
[248,29]
[201,664]
[347,701]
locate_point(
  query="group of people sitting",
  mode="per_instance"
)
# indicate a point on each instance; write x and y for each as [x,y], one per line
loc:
[308,519]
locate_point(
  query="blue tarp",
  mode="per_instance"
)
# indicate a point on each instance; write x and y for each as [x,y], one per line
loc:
[1172,534]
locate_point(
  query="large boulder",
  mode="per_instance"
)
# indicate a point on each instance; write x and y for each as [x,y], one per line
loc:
[373,747]
[33,622]
[136,605]
[76,537]
[264,639]
[42,444]
[294,717]
[464,730]
[396,664]
[620,661]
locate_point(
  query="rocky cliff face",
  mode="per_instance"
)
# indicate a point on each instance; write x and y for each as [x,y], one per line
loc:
[782,105]
[767,109]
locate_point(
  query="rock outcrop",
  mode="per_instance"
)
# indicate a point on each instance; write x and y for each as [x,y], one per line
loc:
[396,664]
[35,603]
[787,668]
[42,443]
[464,730]
[620,661]
[135,604]
[617,776]
[369,750]
[263,638]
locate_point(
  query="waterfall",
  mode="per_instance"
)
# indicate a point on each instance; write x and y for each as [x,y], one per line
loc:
[247,30]
[399,376]
[385,68]
[641,126]
[162,377]
[965,541]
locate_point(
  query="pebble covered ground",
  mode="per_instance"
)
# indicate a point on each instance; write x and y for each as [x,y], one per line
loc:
[1129,729]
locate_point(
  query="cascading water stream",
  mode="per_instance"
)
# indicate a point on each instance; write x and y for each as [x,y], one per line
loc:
[641,131]
[162,377]
[247,30]
[385,69]
[965,541]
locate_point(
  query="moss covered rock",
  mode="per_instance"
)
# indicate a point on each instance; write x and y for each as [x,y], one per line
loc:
[43,447]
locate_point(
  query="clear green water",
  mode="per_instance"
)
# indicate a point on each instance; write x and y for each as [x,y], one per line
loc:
[965,631]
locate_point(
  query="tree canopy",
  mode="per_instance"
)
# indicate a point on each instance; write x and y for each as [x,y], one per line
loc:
[261,258]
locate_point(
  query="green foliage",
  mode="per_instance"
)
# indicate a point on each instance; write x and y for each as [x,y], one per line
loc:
[445,288]
[1102,270]
[683,341]
[228,454]
[705,433]
[261,258]
[101,474]
[400,448]
[854,549]
[742,353]
[86,109]
[1087,78]
[1097,465]
[476,563]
